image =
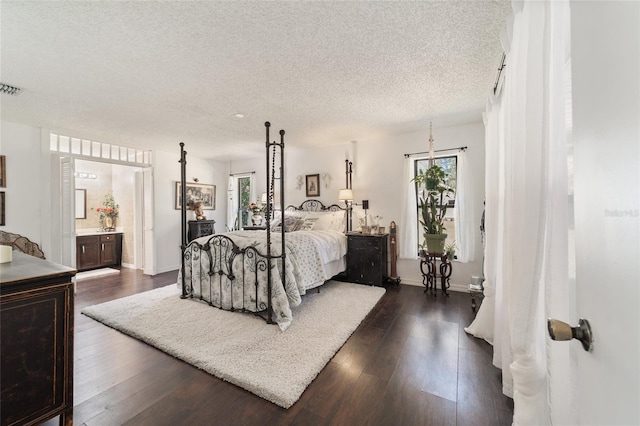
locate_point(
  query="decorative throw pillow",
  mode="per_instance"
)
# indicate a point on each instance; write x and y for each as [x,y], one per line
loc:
[308,224]
[292,222]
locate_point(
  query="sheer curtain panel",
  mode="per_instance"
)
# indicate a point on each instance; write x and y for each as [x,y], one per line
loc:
[408,227]
[465,213]
[525,186]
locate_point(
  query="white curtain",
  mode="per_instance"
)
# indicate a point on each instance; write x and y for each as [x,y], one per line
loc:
[526,187]
[407,228]
[465,213]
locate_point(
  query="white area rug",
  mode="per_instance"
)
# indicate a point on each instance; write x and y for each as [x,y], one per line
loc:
[96,273]
[242,348]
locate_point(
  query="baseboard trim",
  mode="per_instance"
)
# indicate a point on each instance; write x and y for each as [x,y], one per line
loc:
[460,288]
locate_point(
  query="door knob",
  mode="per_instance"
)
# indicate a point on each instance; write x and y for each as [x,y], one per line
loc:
[559,330]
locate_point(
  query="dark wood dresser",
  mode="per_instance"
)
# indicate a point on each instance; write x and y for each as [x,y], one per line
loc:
[36,341]
[98,250]
[201,228]
[367,258]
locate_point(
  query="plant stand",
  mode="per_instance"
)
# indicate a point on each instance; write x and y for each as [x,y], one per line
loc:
[431,271]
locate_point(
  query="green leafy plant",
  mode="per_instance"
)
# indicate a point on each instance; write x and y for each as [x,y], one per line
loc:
[432,203]
[450,250]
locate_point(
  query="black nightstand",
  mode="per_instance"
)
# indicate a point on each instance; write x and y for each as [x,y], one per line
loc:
[201,228]
[367,258]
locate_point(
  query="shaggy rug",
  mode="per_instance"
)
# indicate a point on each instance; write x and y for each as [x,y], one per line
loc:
[239,347]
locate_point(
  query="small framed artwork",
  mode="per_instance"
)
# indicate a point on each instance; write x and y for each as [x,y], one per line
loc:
[206,194]
[2,209]
[313,185]
[3,171]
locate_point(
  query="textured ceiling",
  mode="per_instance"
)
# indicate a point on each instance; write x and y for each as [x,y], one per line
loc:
[152,74]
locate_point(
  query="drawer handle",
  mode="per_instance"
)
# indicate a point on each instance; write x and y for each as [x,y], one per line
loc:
[102,246]
[83,249]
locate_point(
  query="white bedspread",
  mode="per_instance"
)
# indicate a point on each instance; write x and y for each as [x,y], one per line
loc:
[308,254]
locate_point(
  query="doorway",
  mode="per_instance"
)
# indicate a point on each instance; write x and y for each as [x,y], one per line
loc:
[101,185]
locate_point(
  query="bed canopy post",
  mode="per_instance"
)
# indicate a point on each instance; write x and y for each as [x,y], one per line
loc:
[269,190]
[348,165]
[183,211]
[282,228]
[271,177]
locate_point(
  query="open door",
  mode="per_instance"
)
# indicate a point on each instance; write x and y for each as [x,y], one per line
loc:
[606,121]
[66,253]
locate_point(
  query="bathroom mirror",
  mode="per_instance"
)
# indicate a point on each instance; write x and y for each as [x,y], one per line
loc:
[81,203]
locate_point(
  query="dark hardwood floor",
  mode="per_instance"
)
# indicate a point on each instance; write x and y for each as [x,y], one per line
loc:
[409,363]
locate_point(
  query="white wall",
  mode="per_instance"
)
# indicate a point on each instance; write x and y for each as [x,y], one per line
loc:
[27,202]
[377,176]
[167,219]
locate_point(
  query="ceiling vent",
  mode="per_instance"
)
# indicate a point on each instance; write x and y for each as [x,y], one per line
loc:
[9,90]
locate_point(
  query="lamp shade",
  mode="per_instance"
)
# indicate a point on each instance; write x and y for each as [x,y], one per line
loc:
[346,195]
[263,198]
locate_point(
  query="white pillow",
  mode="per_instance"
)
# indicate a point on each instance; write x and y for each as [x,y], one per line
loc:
[339,221]
[330,221]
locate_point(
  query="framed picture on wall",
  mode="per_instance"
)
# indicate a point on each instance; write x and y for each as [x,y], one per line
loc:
[313,185]
[2,208]
[3,171]
[206,194]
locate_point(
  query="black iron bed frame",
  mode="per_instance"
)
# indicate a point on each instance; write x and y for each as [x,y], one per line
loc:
[221,266]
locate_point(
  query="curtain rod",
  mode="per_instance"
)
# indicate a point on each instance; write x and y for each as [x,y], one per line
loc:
[460,148]
[242,173]
[502,65]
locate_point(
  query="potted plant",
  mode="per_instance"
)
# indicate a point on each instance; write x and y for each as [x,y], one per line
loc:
[433,207]
[108,213]
[450,250]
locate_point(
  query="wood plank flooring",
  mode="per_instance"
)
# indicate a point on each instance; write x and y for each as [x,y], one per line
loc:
[409,363]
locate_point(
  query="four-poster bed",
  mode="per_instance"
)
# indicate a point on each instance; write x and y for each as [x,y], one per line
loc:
[266,271]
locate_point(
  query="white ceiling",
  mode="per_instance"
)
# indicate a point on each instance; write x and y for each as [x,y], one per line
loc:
[152,74]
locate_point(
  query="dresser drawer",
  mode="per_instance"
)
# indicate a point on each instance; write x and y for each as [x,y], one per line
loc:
[89,239]
[109,237]
[365,242]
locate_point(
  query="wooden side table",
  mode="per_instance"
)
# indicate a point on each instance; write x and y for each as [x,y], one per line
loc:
[201,228]
[367,258]
[431,271]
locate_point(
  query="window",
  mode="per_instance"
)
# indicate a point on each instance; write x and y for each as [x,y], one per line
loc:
[450,167]
[85,148]
[244,191]
[241,191]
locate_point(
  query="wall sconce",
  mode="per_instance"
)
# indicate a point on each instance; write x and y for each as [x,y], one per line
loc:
[346,195]
[326,177]
[365,207]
